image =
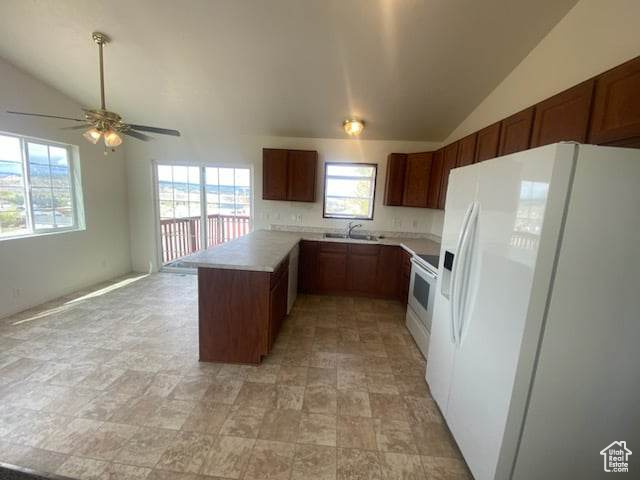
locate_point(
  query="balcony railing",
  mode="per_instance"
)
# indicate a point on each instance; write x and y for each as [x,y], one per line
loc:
[182,236]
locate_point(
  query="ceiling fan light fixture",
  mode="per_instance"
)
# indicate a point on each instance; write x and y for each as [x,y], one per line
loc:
[353,127]
[112,139]
[92,135]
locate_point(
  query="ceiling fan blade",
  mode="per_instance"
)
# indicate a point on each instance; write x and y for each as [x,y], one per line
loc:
[46,116]
[77,127]
[138,135]
[163,131]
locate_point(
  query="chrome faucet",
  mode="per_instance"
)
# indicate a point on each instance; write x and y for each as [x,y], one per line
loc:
[351,227]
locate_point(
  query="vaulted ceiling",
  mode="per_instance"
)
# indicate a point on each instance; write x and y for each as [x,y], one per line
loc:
[413,69]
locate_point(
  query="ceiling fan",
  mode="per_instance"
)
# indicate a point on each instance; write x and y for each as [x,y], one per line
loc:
[102,123]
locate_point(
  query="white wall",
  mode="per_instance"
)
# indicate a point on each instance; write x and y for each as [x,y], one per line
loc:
[594,36]
[203,147]
[34,270]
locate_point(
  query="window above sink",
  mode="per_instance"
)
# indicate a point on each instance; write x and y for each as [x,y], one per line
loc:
[349,190]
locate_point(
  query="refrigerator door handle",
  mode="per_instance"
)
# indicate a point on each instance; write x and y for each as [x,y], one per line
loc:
[454,274]
[467,247]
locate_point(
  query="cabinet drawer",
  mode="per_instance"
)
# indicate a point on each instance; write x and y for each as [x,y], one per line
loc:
[364,249]
[336,247]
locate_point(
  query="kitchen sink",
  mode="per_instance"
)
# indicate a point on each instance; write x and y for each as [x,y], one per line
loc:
[363,236]
[335,235]
[354,236]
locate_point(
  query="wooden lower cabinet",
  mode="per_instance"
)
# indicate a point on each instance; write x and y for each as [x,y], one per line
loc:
[405,276]
[240,313]
[388,272]
[278,301]
[307,267]
[350,269]
[331,268]
[362,265]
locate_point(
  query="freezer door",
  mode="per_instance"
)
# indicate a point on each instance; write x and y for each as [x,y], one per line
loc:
[588,364]
[460,196]
[512,195]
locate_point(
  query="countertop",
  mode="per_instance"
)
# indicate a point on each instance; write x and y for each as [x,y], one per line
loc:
[263,250]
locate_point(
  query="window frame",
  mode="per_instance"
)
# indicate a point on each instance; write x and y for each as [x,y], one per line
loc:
[33,231]
[202,165]
[374,181]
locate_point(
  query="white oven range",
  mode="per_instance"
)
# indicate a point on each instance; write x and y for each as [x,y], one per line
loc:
[422,289]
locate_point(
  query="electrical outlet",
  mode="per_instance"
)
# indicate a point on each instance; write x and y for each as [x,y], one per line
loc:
[299,218]
[415,224]
[16,292]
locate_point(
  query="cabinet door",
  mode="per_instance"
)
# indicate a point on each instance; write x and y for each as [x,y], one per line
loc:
[274,174]
[307,271]
[416,182]
[394,185]
[615,119]
[449,161]
[488,143]
[362,264]
[563,117]
[467,150]
[435,180]
[332,267]
[516,132]
[388,271]
[278,306]
[405,276]
[302,175]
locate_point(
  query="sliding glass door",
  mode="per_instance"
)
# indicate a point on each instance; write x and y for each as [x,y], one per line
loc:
[228,195]
[201,206]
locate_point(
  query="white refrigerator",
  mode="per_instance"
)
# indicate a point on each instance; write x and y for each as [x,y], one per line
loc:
[534,357]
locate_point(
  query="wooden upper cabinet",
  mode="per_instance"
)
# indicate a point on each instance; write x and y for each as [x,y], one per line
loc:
[488,142]
[435,180]
[274,174]
[394,186]
[615,119]
[416,180]
[302,175]
[516,132]
[563,117]
[289,174]
[449,162]
[467,150]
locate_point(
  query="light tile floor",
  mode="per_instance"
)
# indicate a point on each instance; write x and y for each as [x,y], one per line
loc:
[106,384]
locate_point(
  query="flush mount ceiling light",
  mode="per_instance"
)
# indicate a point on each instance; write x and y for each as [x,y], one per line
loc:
[353,126]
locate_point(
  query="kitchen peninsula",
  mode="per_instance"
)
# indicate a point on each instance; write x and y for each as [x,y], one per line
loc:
[243,285]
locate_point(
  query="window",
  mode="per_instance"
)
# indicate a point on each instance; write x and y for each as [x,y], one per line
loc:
[349,190]
[36,187]
[200,207]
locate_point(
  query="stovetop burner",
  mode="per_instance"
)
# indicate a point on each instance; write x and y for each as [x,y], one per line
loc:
[432,260]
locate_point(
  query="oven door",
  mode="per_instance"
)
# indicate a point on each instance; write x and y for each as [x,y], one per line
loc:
[422,290]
